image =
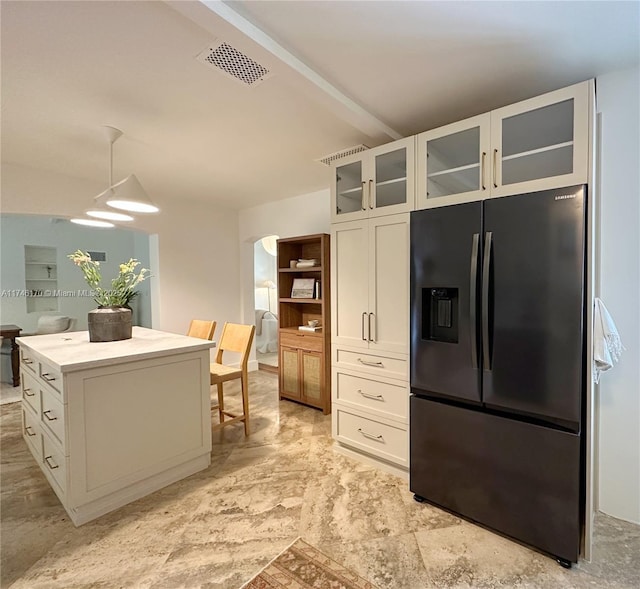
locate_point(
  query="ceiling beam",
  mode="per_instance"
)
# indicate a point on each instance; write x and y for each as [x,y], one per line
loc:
[340,104]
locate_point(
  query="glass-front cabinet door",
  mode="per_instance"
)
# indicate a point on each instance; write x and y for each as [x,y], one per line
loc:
[390,186]
[541,143]
[453,163]
[349,191]
[379,181]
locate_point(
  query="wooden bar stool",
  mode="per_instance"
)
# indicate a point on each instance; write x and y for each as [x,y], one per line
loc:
[202,329]
[235,338]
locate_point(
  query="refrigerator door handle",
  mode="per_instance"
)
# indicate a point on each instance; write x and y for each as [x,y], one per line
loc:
[473,285]
[486,350]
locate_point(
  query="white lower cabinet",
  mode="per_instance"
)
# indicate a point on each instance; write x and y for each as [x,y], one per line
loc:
[371,407]
[370,339]
[385,440]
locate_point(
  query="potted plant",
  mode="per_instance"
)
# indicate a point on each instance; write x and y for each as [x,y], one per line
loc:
[111,321]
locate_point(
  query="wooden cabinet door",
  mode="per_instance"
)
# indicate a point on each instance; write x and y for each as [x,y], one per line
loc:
[311,384]
[541,143]
[289,372]
[349,281]
[389,283]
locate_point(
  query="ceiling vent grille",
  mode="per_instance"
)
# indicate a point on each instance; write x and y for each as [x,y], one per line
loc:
[332,157]
[233,63]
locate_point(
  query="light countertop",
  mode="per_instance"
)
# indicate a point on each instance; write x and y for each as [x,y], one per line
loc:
[71,351]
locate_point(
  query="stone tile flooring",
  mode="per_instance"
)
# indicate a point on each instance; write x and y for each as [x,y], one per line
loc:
[219,527]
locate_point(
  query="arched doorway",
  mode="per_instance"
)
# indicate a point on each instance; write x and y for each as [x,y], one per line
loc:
[266,302]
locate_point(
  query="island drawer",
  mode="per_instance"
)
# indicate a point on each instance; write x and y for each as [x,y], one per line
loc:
[30,392]
[54,463]
[52,376]
[27,360]
[383,440]
[53,415]
[31,434]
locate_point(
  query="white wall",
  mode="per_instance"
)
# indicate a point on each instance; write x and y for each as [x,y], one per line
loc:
[306,214]
[16,231]
[264,270]
[196,245]
[619,392]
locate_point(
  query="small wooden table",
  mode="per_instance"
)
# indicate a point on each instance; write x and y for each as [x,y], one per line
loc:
[11,332]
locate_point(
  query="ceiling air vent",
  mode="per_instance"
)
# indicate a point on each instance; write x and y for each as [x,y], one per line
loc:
[233,63]
[332,157]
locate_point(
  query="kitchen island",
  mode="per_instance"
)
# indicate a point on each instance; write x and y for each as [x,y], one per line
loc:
[110,422]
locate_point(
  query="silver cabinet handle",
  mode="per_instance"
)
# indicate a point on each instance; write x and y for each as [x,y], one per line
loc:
[27,361]
[370,396]
[47,414]
[495,168]
[51,466]
[371,436]
[49,379]
[370,193]
[28,393]
[484,157]
[369,363]
[364,339]
[375,325]
[364,208]
[29,431]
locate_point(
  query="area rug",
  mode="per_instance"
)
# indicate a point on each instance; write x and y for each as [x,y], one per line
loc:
[301,566]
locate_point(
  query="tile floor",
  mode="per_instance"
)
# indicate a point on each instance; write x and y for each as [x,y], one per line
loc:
[219,527]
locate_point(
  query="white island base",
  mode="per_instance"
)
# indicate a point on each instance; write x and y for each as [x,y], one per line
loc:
[112,422]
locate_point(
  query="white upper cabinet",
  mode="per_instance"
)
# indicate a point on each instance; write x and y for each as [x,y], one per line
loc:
[452,162]
[375,182]
[541,143]
[536,144]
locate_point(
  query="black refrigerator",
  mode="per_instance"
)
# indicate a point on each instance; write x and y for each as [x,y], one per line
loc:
[498,364]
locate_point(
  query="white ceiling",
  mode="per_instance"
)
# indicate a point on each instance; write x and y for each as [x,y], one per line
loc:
[343,73]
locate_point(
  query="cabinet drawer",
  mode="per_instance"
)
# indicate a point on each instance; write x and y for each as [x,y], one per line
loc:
[54,462]
[53,415]
[51,376]
[385,441]
[31,434]
[388,398]
[28,361]
[303,341]
[30,391]
[371,363]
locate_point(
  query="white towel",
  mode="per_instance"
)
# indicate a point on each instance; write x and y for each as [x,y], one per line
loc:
[607,346]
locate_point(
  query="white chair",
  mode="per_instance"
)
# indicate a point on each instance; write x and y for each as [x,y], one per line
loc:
[54,324]
[266,331]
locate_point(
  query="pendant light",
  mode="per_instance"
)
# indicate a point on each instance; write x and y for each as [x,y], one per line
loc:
[102,216]
[112,134]
[128,195]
